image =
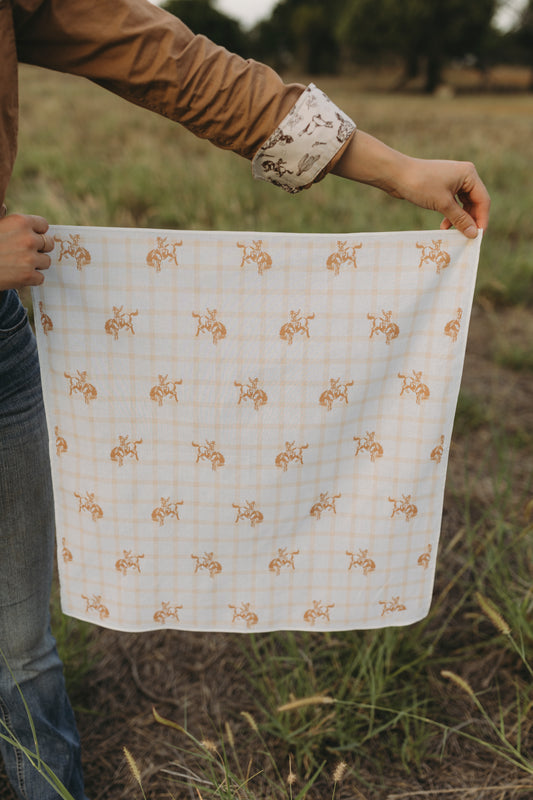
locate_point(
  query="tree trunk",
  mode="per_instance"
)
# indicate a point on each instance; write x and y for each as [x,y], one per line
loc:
[411,69]
[433,72]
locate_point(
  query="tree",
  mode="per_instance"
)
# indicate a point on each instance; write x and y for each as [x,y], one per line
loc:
[201,17]
[523,38]
[424,35]
[302,34]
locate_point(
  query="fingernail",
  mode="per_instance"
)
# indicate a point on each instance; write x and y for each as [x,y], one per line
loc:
[471,232]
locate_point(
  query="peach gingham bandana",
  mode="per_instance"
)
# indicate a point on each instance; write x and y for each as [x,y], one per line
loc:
[250,431]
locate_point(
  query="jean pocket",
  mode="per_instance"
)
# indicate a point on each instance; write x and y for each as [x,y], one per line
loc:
[13,315]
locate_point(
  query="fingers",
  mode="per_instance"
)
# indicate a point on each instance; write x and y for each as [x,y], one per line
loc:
[37,223]
[24,248]
[45,243]
[476,201]
[457,217]
[468,205]
[36,278]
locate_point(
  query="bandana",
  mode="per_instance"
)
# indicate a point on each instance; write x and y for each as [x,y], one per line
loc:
[250,431]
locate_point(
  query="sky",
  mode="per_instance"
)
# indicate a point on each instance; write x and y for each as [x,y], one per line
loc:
[509,13]
[248,12]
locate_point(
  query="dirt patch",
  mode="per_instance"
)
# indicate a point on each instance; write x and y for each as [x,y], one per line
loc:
[193,679]
[495,405]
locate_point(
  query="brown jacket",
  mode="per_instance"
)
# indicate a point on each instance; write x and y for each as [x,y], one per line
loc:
[144,54]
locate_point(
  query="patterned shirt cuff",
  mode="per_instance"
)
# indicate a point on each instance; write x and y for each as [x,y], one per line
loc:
[304,142]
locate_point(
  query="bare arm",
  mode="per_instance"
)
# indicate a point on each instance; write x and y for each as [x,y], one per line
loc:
[452,188]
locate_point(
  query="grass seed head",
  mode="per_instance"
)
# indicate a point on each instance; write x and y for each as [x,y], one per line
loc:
[340,771]
[133,766]
[460,682]
[494,616]
[250,720]
[229,734]
[291,777]
[315,700]
[209,745]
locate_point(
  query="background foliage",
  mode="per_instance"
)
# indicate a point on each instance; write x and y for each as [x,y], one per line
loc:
[318,37]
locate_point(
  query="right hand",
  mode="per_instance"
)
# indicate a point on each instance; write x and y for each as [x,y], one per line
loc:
[24,245]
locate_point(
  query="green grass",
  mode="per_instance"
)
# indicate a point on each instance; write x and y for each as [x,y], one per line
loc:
[471,414]
[516,358]
[388,692]
[376,700]
[87,158]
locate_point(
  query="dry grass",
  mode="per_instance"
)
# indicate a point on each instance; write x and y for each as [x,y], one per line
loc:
[98,161]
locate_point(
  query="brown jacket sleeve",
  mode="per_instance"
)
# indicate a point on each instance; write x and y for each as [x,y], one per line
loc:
[149,57]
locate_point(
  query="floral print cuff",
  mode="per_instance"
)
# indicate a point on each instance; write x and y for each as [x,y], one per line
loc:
[304,142]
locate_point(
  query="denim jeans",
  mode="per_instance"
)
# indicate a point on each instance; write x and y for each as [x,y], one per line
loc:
[26,563]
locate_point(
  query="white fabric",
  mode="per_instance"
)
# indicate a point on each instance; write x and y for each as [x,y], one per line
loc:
[304,142]
[249,431]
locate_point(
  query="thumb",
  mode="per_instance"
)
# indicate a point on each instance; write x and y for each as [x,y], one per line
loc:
[460,219]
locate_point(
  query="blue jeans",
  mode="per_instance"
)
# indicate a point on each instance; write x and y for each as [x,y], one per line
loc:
[26,563]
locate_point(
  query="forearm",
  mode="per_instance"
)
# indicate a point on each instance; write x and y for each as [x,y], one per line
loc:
[370,161]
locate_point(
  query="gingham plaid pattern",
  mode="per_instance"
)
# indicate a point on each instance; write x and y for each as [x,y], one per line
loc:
[249,431]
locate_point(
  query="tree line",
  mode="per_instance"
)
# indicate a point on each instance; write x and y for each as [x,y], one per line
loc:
[324,36]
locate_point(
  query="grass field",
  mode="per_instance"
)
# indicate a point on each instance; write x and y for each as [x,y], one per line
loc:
[442,709]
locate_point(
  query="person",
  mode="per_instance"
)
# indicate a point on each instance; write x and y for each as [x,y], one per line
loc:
[294,136]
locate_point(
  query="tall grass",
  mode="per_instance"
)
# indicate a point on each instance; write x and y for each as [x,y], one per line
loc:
[392,705]
[87,158]
[33,756]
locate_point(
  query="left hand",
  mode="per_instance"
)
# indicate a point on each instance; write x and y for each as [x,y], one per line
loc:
[451,187]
